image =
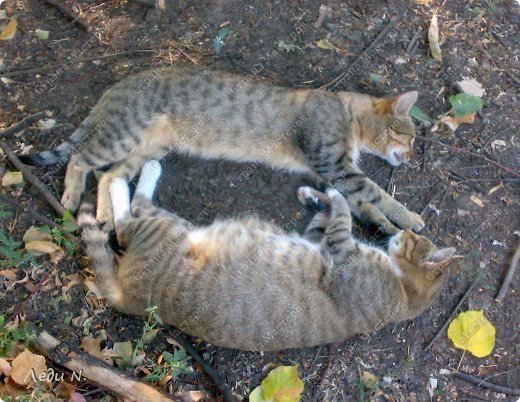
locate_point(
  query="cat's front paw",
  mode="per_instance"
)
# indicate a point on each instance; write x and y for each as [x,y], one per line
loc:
[312,198]
[411,221]
[71,199]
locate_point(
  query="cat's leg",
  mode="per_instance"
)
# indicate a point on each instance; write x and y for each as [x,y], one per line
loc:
[120,200]
[75,177]
[338,240]
[368,201]
[315,199]
[125,170]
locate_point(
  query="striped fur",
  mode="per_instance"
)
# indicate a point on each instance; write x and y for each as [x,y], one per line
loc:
[214,114]
[246,284]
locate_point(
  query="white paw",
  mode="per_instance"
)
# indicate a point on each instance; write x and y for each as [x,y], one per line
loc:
[332,192]
[120,200]
[70,200]
[151,170]
[304,193]
[417,222]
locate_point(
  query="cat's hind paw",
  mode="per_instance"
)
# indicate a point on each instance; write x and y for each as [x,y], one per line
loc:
[312,198]
[150,173]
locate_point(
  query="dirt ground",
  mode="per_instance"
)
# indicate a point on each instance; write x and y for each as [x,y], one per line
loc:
[480,41]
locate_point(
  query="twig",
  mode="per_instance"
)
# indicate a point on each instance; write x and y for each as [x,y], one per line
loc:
[55,66]
[64,10]
[35,215]
[390,180]
[21,306]
[452,314]
[411,46]
[484,384]
[25,122]
[457,149]
[210,371]
[146,3]
[54,203]
[97,371]
[376,41]
[509,276]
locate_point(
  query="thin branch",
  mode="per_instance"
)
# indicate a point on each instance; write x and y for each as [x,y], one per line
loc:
[97,371]
[25,122]
[461,150]
[509,276]
[485,384]
[31,211]
[64,10]
[210,371]
[55,66]
[411,46]
[29,177]
[360,58]
[452,314]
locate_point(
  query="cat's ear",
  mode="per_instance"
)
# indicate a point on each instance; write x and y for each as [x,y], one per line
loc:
[438,261]
[403,103]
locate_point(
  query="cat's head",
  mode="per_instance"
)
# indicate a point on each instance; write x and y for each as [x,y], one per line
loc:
[425,267]
[387,129]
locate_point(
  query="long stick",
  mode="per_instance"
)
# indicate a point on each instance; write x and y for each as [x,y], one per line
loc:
[210,371]
[64,10]
[509,276]
[452,314]
[484,384]
[54,203]
[376,41]
[98,372]
[25,122]
[457,149]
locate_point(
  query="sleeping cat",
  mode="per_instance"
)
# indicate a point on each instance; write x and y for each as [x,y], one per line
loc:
[248,285]
[214,114]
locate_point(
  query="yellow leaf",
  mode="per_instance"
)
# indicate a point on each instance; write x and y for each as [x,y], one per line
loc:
[10,30]
[325,44]
[471,331]
[42,246]
[281,385]
[433,38]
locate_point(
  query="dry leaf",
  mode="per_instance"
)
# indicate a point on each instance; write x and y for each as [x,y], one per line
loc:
[92,346]
[368,380]
[25,365]
[477,201]
[12,179]
[471,331]
[467,118]
[447,121]
[93,288]
[325,44]
[496,188]
[433,38]
[10,30]
[498,144]
[5,367]
[34,233]
[8,274]
[472,87]
[42,246]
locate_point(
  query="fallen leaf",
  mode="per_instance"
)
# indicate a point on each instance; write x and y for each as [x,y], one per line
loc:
[42,246]
[10,30]
[499,243]
[5,367]
[92,346]
[64,390]
[462,212]
[26,364]
[447,121]
[496,188]
[34,233]
[471,87]
[477,201]
[325,12]
[12,179]
[325,44]
[281,385]
[368,380]
[433,38]
[375,77]
[471,331]
[467,118]
[150,335]
[77,397]
[501,145]
[93,288]
[463,104]
[418,114]
[8,274]
[41,34]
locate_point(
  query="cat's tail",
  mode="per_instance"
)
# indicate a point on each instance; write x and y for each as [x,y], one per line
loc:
[62,152]
[101,256]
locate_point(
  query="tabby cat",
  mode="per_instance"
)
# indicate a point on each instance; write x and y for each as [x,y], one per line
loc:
[215,114]
[246,284]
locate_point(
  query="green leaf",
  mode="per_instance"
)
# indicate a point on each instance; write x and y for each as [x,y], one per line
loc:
[281,385]
[464,104]
[417,113]
[150,335]
[168,357]
[325,44]
[288,47]
[45,229]
[375,77]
